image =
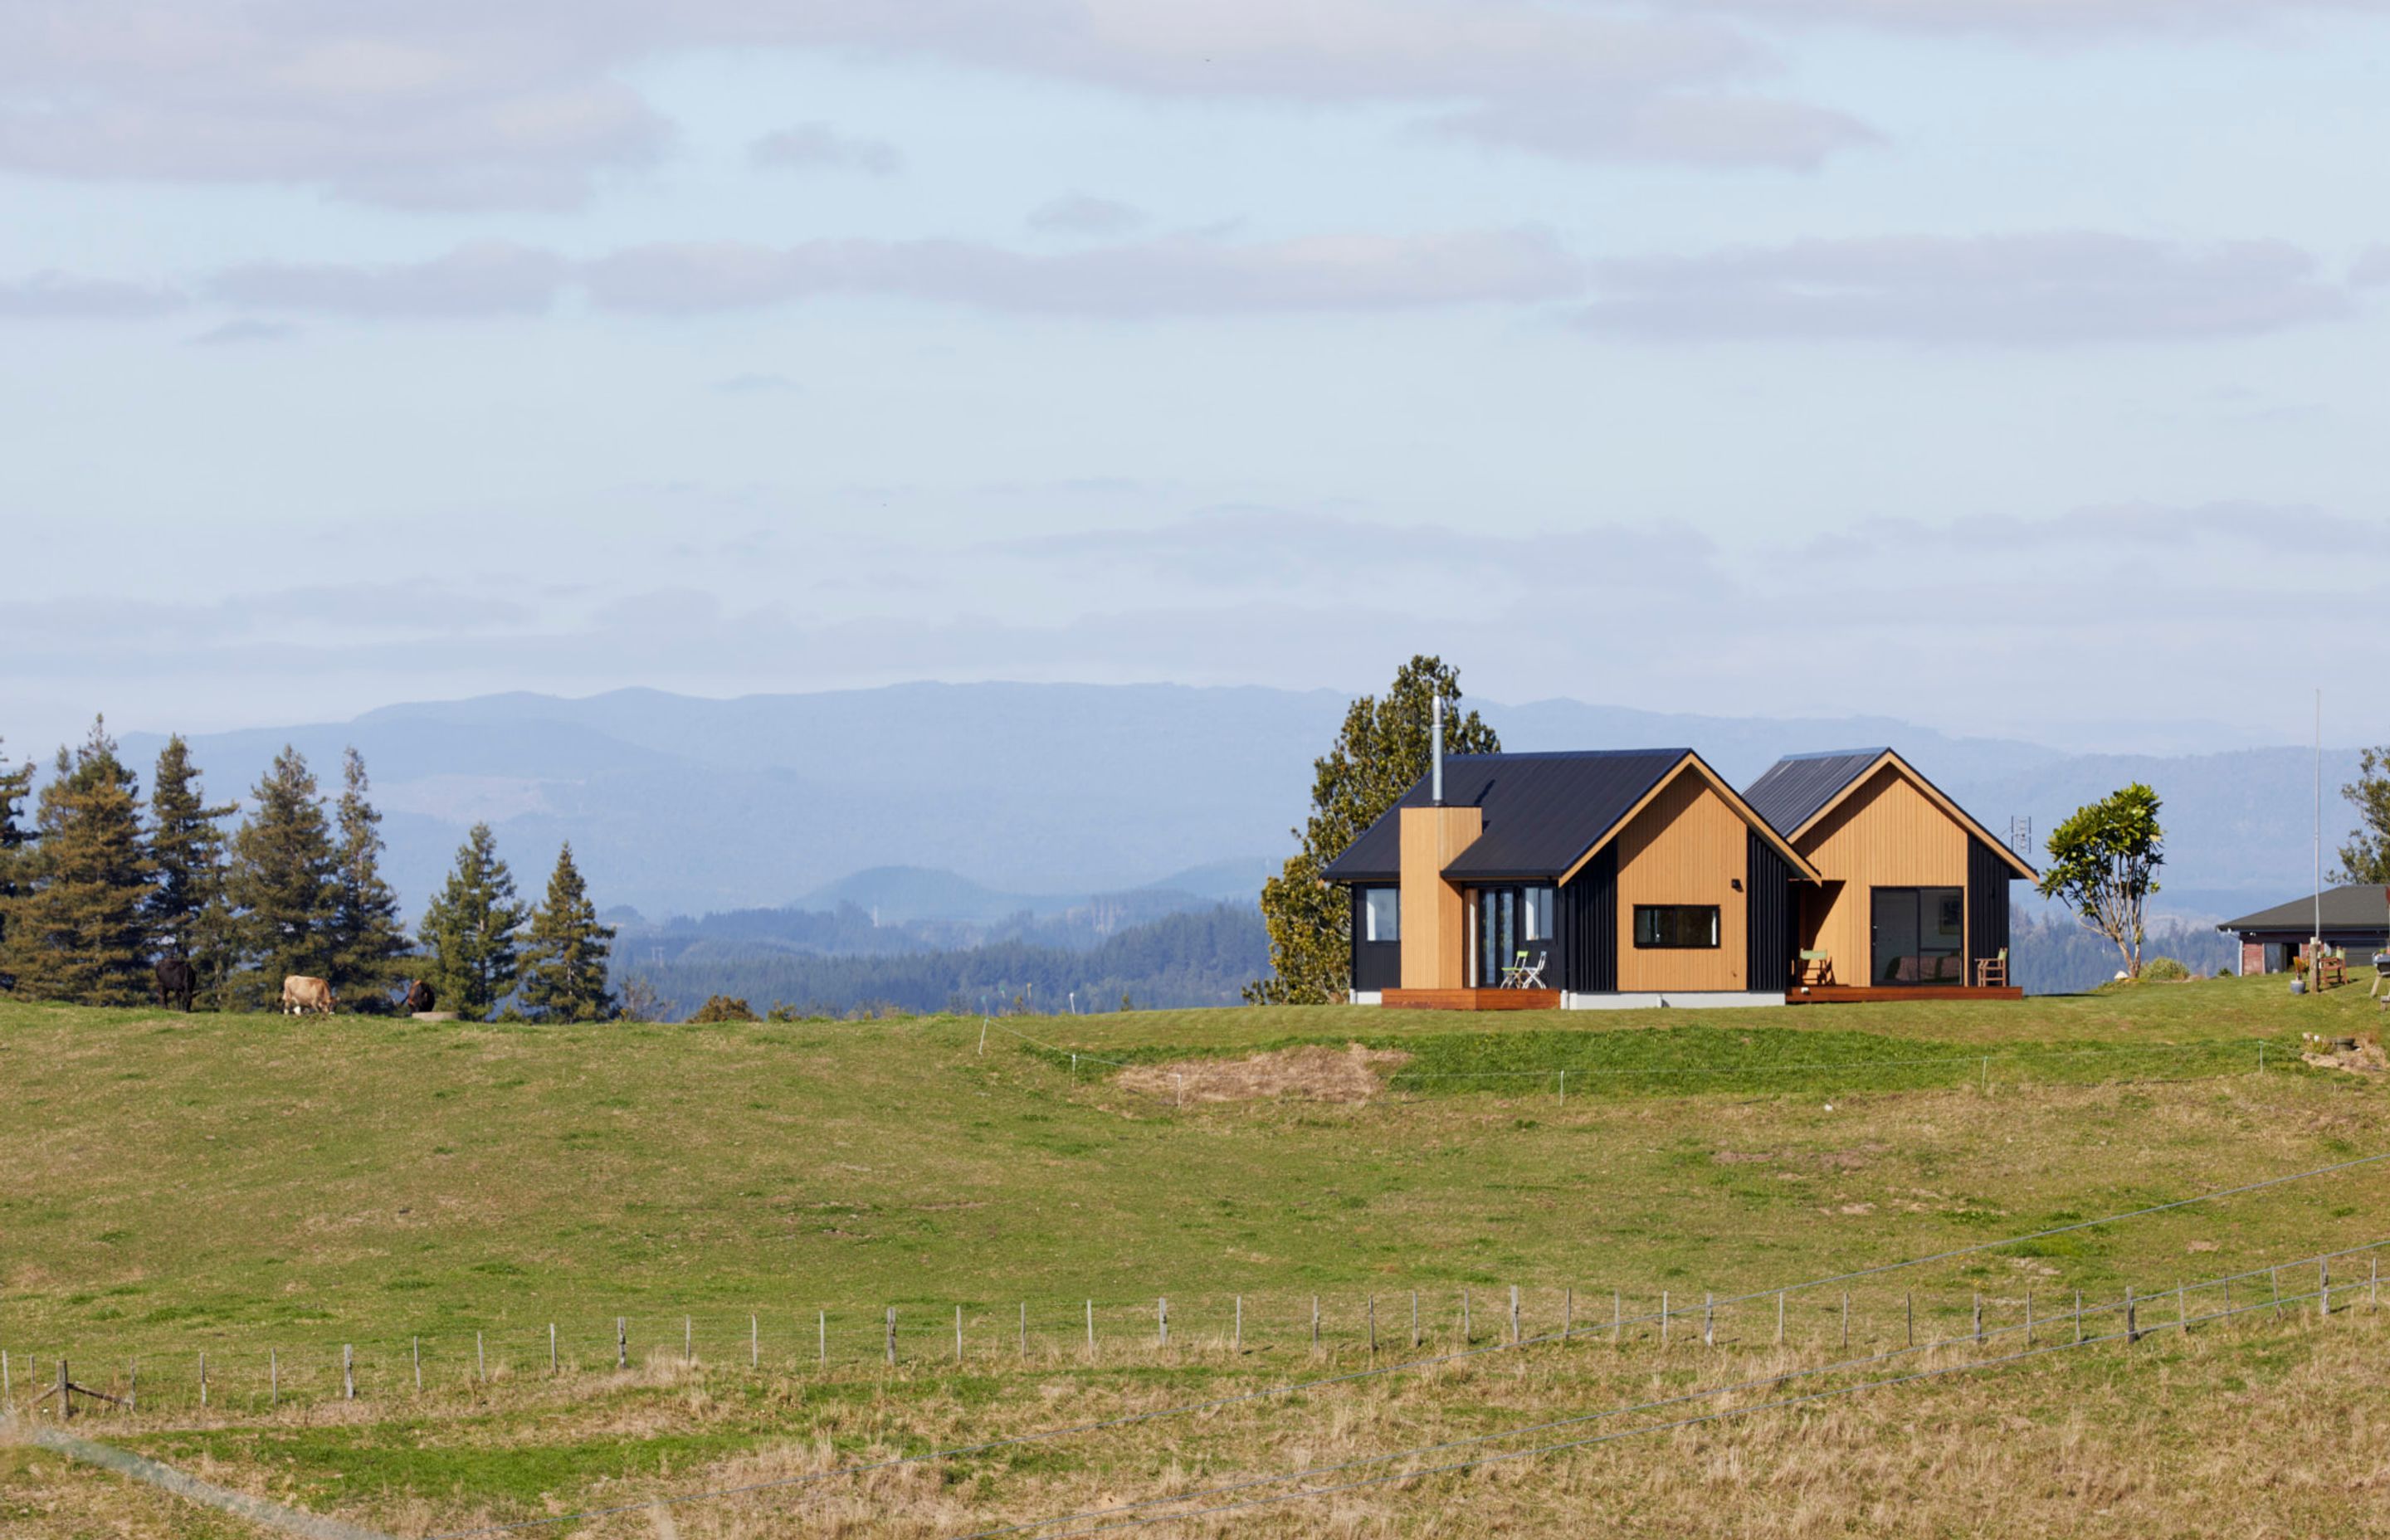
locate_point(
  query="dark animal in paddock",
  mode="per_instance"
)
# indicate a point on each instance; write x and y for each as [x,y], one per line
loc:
[7,983]
[420,998]
[175,982]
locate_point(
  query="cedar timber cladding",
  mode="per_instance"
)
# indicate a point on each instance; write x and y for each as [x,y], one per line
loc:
[1434,924]
[1686,846]
[1886,832]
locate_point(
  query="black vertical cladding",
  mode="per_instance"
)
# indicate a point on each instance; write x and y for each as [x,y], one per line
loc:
[1987,903]
[1591,903]
[1767,965]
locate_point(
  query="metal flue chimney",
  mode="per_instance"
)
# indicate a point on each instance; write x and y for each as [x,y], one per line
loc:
[1435,753]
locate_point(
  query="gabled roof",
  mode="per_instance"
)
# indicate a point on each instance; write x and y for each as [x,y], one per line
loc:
[2362,907]
[1797,788]
[1544,814]
[1800,789]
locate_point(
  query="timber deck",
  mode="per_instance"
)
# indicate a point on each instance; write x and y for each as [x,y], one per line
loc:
[1856,995]
[1472,999]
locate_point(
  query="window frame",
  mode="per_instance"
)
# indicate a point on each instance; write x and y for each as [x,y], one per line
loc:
[1369,913]
[1716,928]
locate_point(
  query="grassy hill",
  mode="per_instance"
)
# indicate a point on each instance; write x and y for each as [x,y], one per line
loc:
[247,1184]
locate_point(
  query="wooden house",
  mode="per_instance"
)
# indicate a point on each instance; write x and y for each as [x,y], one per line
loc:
[1642,877]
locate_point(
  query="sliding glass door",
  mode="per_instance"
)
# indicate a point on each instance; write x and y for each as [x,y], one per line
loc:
[1921,936]
[1510,921]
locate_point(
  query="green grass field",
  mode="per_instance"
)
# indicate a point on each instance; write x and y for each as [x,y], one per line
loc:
[246,1186]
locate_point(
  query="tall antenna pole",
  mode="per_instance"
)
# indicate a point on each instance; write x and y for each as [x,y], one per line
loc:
[2315,947]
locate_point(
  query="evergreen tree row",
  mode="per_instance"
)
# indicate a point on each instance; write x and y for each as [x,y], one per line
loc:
[93,895]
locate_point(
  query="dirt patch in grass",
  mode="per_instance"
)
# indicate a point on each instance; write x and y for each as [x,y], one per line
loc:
[1316,1074]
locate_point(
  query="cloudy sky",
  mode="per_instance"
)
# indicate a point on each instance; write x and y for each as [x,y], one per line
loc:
[2012,366]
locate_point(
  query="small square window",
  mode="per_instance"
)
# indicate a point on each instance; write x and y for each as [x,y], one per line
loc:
[1382,913]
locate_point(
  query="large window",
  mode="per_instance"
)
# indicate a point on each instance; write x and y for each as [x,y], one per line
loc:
[1381,914]
[1676,927]
[1510,921]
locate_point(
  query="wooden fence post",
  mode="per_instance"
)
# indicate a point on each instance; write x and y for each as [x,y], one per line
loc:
[1091,1329]
[1468,1335]
[1415,1326]
[821,1327]
[1024,1330]
[1846,1320]
[203,1379]
[1373,1328]
[1780,1318]
[892,1336]
[348,1372]
[1908,1299]
[754,1344]
[1240,1340]
[273,1378]
[2132,1319]
[1664,1317]
[1568,1314]
[1162,1321]
[958,1334]
[1709,1320]
[2079,1318]
[133,1387]
[1617,1318]
[480,1360]
[621,1343]
[2323,1277]
[418,1352]
[66,1394]
[1514,1315]
[1315,1323]
[1979,1319]
[2181,1311]
[551,1347]
[688,1341]
[2028,1315]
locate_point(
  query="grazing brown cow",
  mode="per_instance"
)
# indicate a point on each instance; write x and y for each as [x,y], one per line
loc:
[175,982]
[420,998]
[302,995]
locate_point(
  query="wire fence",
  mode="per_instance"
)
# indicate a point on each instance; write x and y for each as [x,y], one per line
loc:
[2076,1330]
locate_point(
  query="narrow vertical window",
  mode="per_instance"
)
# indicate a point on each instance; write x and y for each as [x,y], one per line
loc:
[1382,908]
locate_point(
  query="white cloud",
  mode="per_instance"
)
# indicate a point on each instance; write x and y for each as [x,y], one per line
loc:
[490,279]
[2047,20]
[1683,129]
[819,147]
[1180,276]
[1083,215]
[234,334]
[2040,289]
[446,104]
[55,296]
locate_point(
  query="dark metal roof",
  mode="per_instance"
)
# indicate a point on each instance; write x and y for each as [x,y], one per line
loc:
[1543,812]
[1796,787]
[2364,907]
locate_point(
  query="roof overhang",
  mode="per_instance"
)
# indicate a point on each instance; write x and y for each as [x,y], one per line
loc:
[1933,794]
[1693,764]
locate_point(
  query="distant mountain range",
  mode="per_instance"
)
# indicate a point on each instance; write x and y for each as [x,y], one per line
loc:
[970,803]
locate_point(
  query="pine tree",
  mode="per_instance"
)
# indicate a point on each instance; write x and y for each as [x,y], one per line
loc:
[16,840]
[368,938]
[280,882]
[469,930]
[2366,857]
[565,976]
[1382,749]
[75,929]
[186,911]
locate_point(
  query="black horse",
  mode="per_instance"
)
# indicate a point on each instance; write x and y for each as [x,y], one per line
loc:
[176,982]
[420,997]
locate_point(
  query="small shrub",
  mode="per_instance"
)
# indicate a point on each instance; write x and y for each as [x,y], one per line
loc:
[723,1007]
[2163,970]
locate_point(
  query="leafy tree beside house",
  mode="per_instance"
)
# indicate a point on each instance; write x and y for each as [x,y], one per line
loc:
[564,978]
[471,932]
[280,882]
[2366,857]
[186,911]
[75,931]
[367,938]
[1380,750]
[2103,865]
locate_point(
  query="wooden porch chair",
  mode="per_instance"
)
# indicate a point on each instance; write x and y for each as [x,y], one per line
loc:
[1813,968]
[1993,972]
